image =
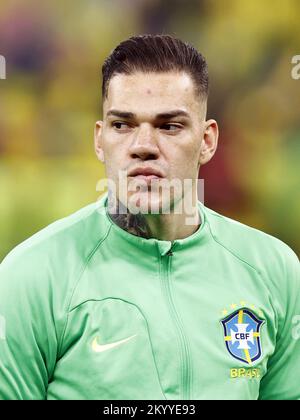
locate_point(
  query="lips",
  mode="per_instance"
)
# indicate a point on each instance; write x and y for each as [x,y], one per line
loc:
[146,175]
[147,172]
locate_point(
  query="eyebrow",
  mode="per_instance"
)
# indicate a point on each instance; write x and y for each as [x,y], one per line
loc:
[161,116]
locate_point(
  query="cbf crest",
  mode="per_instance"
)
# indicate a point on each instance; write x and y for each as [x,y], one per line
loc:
[242,335]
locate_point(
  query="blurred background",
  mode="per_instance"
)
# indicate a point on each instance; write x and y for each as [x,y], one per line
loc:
[51,99]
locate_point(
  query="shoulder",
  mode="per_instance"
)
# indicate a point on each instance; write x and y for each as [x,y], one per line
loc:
[57,254]
[268,255]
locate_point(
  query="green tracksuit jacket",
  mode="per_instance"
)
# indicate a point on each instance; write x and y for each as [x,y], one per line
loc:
[89,311]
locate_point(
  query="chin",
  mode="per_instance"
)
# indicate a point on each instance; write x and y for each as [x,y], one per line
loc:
[148,203]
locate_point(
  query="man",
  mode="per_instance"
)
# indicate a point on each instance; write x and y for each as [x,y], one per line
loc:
[148,294]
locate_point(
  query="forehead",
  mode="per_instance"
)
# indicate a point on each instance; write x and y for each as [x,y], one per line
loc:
[151,93]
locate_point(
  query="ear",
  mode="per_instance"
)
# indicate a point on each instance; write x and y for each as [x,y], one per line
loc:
[209,142]
[98,140]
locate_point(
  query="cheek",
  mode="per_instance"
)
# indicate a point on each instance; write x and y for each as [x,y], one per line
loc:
[115,160]
[114,150]
[184,160]
[193,152]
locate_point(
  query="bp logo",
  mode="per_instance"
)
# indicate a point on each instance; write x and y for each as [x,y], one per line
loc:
[242,335]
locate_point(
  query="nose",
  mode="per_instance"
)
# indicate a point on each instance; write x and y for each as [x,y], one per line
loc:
[144,145]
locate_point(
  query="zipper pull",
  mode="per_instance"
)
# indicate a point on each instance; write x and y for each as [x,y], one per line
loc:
[170,253]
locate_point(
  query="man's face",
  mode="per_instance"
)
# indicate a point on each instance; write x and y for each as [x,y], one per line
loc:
[153,128]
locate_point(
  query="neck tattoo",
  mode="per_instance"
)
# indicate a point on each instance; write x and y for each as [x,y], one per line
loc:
[132,223]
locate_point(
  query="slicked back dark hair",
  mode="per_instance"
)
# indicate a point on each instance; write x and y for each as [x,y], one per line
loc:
[156,53]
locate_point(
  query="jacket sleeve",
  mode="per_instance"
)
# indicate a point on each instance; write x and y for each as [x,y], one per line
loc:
[281,381]
[28,341]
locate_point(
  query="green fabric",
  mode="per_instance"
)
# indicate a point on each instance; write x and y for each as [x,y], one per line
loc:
[83,283]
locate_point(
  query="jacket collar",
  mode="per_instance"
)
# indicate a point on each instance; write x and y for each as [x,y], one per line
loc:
[129,242]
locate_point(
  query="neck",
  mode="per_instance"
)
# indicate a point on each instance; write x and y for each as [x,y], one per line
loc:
[165,227]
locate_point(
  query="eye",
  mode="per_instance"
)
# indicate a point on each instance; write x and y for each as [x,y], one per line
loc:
[171,127]
[119,125]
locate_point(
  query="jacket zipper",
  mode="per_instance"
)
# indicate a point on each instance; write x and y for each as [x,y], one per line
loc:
[184,349]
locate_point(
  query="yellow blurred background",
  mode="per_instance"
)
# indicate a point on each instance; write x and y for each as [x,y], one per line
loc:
[52,96]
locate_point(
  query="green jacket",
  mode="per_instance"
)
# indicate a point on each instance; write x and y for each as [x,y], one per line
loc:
[90,311]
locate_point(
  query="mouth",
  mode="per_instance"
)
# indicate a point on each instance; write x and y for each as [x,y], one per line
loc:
[146,174]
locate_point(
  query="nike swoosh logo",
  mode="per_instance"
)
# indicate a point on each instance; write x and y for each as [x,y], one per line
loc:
[98,348]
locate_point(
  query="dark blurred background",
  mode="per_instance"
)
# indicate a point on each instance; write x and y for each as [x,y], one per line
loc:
[51,98]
